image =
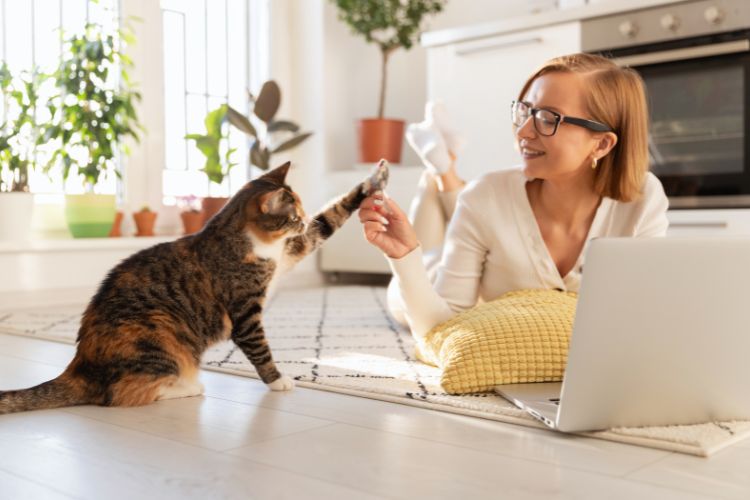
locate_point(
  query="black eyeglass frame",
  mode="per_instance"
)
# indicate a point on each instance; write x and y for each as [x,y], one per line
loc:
[581,122]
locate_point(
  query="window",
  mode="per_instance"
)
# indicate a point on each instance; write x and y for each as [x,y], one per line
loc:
[206,64]
[30,40]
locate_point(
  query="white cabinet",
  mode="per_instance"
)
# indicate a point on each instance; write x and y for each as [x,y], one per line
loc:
[347,250]
[477,80]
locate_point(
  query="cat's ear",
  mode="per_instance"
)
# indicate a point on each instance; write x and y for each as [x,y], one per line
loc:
[272,202]
[278,174]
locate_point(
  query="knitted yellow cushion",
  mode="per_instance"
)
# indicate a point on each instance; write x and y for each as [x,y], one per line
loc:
[521,337]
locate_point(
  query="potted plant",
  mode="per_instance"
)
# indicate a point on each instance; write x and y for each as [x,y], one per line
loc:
[17,140]
[268,135]
[93,113]
[390,25]
[190,213]
[214,145]
[145,219]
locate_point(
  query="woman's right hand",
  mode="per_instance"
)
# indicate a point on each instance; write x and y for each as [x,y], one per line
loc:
[386,226]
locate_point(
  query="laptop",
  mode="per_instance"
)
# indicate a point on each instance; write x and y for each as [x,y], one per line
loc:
[661,337]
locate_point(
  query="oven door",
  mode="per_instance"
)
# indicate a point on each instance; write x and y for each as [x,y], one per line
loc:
[698,103]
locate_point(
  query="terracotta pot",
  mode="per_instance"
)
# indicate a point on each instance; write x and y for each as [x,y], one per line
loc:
[192,221]
[380,138]
[116,230]
[144,222]
[211,205]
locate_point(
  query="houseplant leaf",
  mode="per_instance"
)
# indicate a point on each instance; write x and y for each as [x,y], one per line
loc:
[291,142]
[268,101]
[241,122]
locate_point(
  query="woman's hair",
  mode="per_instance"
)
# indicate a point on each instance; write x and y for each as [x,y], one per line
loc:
[615,96]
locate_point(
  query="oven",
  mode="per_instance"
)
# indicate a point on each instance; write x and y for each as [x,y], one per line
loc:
[694,57]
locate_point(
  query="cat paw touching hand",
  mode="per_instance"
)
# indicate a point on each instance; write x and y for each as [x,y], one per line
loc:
[283,383]
[378,179]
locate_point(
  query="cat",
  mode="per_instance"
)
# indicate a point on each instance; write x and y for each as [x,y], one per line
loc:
[143,333]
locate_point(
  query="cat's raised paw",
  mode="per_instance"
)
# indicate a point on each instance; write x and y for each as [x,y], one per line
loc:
[283,383]
[378,179]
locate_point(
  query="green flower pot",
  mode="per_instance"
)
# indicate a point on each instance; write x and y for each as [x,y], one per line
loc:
[90,215]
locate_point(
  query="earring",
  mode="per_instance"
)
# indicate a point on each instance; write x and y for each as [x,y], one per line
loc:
[593,163]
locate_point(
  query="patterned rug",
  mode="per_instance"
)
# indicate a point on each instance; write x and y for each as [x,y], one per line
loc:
[341,339]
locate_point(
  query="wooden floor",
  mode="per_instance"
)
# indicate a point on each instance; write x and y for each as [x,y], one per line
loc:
[242,441]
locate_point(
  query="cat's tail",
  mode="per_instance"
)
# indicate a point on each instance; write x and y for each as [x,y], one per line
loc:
[55,393]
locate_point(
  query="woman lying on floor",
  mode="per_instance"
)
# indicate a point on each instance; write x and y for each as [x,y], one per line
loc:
[580,124]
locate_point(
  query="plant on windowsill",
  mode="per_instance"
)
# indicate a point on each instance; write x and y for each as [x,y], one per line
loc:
[190,213]
[214,145]
[145,219]
[18,136]
[268,136]
[389,24]
[92,115]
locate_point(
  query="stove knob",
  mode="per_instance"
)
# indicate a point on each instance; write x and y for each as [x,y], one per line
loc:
[628,29]
[714,15]
[670,22]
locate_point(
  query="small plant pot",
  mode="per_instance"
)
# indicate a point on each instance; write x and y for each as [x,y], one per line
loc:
[90,215]
[144,223]
[192,221]
[211,206]
[116,230]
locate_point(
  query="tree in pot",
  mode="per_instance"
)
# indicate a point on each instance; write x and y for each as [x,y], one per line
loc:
[92,115]
[389,24]
[18,136]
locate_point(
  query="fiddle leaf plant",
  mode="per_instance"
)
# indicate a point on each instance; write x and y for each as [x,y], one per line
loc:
[18,131]
[210,144]
[94,111]
[268,135]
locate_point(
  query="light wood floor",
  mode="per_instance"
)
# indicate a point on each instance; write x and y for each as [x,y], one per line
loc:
[242,441]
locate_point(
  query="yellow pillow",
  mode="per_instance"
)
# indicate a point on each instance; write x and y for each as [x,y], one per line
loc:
[521,337]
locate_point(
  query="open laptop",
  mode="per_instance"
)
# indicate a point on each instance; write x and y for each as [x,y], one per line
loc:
[661,336]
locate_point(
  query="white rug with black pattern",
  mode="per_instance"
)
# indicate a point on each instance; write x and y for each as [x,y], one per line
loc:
[340,338]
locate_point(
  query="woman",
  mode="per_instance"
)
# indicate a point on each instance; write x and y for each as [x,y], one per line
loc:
[580,124]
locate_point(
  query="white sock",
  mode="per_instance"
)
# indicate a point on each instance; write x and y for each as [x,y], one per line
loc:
[428,143]
[435,111]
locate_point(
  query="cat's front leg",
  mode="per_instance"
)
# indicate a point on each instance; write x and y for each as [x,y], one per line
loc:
[335,214]
[249,336]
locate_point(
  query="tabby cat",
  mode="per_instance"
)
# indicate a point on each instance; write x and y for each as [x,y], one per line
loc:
[144,331]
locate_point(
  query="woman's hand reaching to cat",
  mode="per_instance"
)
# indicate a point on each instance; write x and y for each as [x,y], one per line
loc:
[386,226]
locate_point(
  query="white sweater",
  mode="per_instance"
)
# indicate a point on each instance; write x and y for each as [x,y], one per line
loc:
[493,245]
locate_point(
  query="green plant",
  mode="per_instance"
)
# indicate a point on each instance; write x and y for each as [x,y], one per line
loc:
[390,24]
[275,135]
[19,128]
[211,144]
[94,111]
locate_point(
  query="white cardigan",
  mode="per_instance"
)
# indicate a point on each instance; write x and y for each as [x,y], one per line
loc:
[493,245]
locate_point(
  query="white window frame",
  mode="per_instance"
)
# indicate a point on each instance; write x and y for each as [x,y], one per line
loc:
[143,169]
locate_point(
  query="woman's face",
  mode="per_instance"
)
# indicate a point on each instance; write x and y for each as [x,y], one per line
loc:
[568,153]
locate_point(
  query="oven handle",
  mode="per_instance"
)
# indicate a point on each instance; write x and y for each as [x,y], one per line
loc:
[715,49]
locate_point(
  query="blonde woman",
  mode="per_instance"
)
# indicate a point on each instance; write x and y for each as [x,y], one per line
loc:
[580,124]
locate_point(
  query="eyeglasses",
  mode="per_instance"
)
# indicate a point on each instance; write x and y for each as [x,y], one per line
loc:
[546,121]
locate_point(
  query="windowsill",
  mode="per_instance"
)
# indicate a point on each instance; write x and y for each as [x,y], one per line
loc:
[85,244]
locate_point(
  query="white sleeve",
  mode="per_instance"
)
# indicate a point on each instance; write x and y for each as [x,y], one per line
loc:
[458,275]
[653,221]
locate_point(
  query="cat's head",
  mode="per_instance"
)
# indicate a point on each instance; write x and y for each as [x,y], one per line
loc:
[273,210]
